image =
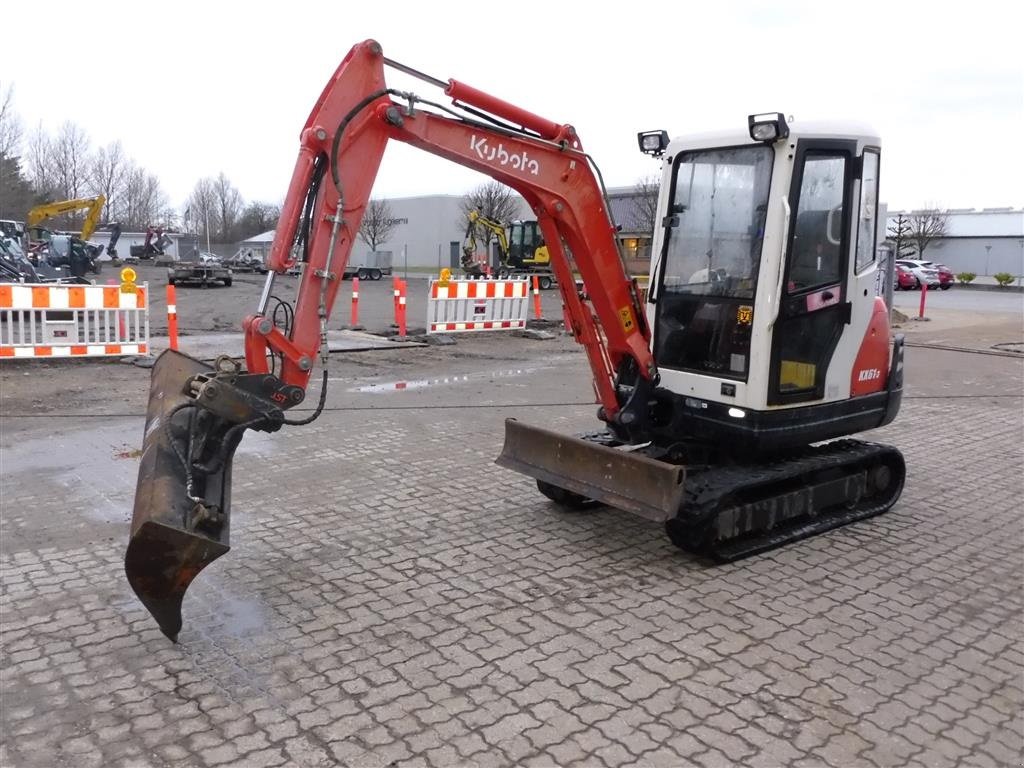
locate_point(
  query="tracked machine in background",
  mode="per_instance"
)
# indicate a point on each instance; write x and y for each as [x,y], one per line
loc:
[760,338]
[521,250]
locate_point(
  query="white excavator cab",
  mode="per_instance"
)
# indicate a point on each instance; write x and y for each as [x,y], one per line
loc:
[766,327]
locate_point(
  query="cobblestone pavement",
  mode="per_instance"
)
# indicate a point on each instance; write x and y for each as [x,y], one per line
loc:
[393,598]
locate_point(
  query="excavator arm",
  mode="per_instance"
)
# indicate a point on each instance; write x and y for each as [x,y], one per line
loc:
[48,210]
[496,227]
[197,414]
[340,151]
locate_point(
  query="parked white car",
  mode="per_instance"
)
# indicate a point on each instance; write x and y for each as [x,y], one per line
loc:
[926,275]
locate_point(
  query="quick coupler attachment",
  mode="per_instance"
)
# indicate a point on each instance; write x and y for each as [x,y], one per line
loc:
[195,420]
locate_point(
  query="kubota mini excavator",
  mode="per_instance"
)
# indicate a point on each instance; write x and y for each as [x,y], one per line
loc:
[760,338]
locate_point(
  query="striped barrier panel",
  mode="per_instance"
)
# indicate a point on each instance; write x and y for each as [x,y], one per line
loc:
[477,305]
[73,320]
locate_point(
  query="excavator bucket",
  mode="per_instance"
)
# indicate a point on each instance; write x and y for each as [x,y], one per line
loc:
[620,478]
[186,457]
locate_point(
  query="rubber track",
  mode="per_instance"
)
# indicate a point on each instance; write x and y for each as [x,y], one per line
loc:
[707,488]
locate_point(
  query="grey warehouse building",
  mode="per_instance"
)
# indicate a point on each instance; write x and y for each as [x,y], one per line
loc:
[429,231]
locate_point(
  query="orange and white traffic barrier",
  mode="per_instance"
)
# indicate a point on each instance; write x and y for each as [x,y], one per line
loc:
[536,298]
[172,317]
[477,305]
[355,302]
[73,320]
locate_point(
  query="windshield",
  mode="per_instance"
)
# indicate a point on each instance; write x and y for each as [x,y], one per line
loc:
[713,243]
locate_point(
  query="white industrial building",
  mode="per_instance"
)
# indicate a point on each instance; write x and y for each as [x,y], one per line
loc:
[985,242]
[429,232]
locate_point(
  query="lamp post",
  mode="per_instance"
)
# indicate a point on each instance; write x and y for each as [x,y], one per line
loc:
[206,211]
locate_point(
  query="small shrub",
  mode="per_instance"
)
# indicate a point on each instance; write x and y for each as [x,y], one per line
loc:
[1003,278]
[965,277]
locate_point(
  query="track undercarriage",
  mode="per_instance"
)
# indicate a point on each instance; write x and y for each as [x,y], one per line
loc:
[724,510]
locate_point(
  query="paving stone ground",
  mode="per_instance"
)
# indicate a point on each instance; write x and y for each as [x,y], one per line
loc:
[393,598]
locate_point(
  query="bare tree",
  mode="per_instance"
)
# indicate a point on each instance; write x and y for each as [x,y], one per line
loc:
[69,159]
[377,224]
[108,171]
[493,200]
[899,234]
[257,218]
[38,167]
[228,206]
[926,226]
[643,206]
[144,202]
[201,207]
[10,124]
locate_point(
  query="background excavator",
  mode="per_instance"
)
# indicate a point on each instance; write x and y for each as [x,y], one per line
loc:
[72,251]
[471,266]
[521,249]
[720,395]
[39,214]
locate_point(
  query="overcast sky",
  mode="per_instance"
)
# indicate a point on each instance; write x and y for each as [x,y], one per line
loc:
[195,88]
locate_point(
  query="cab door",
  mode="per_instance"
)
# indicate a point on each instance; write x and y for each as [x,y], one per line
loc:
[814,308]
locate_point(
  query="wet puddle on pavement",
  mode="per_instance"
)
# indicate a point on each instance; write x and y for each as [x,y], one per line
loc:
[99,462]
[95,461]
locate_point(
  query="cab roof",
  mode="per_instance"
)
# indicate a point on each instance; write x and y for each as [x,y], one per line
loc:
[801,129]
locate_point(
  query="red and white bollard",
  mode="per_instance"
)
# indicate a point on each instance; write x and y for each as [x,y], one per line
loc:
[924,295]
[355,302]
[121,338]
[536,298]
[172,317]
[394,283]
[401,309]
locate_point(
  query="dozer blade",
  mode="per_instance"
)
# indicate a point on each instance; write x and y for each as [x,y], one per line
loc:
[624,479]
[172,536]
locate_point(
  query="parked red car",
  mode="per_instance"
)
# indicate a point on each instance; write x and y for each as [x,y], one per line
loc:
[946,276]
[905,280]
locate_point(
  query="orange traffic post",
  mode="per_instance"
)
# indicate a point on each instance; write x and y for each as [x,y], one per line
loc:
[355,302]
[401,309]
[172,317]
[924,294]
[536,298]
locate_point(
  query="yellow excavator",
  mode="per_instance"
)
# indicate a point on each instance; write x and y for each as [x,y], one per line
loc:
[470,265]
[70,250]
[46,211]
[521,249]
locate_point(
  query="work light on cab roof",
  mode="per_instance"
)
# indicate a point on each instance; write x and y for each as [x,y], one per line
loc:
[768,127]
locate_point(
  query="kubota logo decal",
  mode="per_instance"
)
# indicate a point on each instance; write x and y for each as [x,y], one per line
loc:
[500,156]
[869,374]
